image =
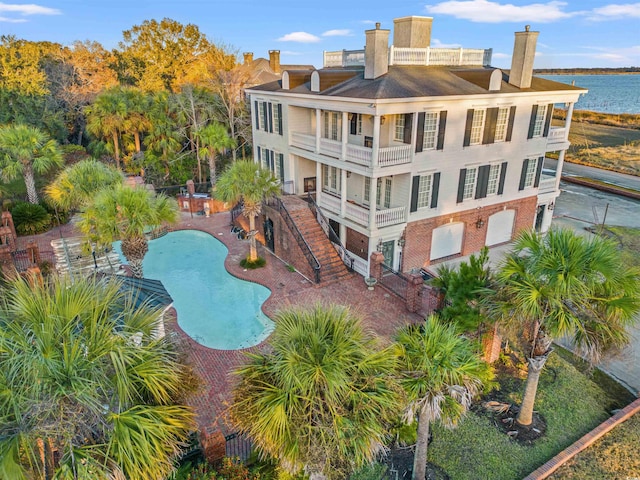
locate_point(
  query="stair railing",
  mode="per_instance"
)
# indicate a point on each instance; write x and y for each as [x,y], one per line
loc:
[330,232]
[302,243]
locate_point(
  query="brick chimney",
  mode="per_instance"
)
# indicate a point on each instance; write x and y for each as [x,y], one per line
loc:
[376,53]
[524,52]
[412,32]
[274,60]
[248,57]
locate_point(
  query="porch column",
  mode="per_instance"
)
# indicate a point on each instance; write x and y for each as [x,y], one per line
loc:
[376,141]
[559,167]
[343,234]
[318,182]
[567,121]
[373,206]
[343,192]
[414,135]
[345,135]
[318,128]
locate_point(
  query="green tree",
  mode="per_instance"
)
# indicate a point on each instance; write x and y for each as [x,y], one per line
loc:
[106,118]
[565,285]
[125,213]
[440,372]
[25,151]
[76,186]
[136,117]
[214,139]
[321,397]
[86,388]
[250,183]
[164,139]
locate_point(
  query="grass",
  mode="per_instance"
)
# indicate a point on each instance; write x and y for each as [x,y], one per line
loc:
[629,239]
[571,403]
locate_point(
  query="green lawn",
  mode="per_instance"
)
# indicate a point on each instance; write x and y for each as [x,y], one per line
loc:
[629,239]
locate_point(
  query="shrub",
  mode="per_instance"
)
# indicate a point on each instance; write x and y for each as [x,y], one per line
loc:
[253,264]
[30,219]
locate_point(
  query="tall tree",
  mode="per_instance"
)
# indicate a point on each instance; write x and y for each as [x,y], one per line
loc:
[76,186]
[106,118]
[250,183]
[87,390]
[441,372]
[565,285]
[228,85]
[163,140]
[214,139]
[25,151]
[125,213]
[320,398]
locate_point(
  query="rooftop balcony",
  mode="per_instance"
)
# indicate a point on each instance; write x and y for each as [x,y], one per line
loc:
[414,56]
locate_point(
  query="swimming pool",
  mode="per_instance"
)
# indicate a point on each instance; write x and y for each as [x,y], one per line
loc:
[214,308]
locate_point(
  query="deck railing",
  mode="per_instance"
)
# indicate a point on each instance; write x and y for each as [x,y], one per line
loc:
[557,134]
[328,230]
[415,56]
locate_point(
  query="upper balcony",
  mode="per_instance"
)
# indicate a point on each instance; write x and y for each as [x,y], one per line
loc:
[414,56]
[557,136]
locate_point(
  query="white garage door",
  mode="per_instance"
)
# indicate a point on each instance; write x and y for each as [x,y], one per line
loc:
[500,227]
[447,240]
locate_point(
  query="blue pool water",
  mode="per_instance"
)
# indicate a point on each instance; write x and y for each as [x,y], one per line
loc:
[214,308]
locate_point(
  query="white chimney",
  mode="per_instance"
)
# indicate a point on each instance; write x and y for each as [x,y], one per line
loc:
[524,52]
[412,32]
[376,53]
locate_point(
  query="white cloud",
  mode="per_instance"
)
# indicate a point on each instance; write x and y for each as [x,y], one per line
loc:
[485,11]
[612,11]
[28,9]
[368,22]
[12,20]
[300,37]
[438,44]
[338,33]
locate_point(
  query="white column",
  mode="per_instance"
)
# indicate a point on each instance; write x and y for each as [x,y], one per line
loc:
[376,141]
[345,134]
[567,121]
[343,192]
[414,135]
[373,198]
[343,234]
[318,128]
[559,167]
[318,182]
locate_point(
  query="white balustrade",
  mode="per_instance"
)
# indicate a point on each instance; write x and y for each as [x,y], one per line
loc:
[388,156]
[330,202]
[547,184]
[357,213]
[390,216]
[414,56]
[332,148]
[359,155]
[360,265]
[557,134]
[303,140]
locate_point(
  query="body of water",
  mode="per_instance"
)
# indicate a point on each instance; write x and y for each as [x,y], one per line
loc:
[607,93]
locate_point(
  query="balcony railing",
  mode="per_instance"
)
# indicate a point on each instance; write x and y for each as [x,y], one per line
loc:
[390,216]
[414,56]
[331,148]
[557,135]
[360,214]
[547,184]
[394,155]
[359,155]
[303,140]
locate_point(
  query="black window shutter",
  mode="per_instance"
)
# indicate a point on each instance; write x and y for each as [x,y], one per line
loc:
[512,116]
[547,121]
[503,175]
[463,176]
[483,181]
[489,134]
[467,128]
[270,116]
[532,121]
[441,129]
[353,125]
[408,120]
[265,121]
[435,190]
[259,155]
[420,133]
[281,162]
[257,115]
[415,185]
[523,173]
[538,171]
[280,118]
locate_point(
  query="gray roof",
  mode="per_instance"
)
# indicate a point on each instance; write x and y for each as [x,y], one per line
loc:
[419,81]
[144,291]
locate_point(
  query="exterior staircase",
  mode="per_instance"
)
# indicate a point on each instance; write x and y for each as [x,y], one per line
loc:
[332,268]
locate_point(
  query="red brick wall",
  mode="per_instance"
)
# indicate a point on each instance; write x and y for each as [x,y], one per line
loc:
[418,234]
[357,243]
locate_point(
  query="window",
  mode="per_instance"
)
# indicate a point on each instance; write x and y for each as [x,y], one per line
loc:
[367,190]
[277,121]
[424,191]
[538,126]
[398,131]
[262,115]
[501,124]
[477,127]
[469,183]
[530,173]
[331,181]
[332,125]
[359,131]
[378,191]
[268,116]
[430,138]
[494,177]
[355,124]
[387,192]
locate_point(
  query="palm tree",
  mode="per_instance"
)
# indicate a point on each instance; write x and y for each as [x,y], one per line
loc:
[250,183]
[26,150]
[125,213]
[136,116]
[440,372]
[320,397]
[214,139]
[76,186]
[87,390]
[106,118]
[164,138]
[565,285]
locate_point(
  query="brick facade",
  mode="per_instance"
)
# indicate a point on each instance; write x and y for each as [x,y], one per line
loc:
[418,234]
[357,243]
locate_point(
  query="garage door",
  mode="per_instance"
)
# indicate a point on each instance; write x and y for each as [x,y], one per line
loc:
[500,227]
[447,240]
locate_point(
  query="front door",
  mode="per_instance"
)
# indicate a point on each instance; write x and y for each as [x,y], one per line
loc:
[387,251]
[539,217]
[268,234]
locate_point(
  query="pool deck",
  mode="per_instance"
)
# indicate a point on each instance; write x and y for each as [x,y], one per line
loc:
[382,313]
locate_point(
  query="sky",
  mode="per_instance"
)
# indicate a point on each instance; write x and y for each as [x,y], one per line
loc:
[573,33]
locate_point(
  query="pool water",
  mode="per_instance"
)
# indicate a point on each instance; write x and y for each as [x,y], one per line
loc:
[214,308]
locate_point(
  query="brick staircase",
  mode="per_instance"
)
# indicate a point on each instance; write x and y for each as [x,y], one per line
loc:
[332,268]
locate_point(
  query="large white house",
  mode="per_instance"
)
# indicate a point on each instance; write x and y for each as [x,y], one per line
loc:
[421,153]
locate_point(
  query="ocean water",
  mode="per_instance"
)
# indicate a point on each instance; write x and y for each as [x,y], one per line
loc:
[607,93]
